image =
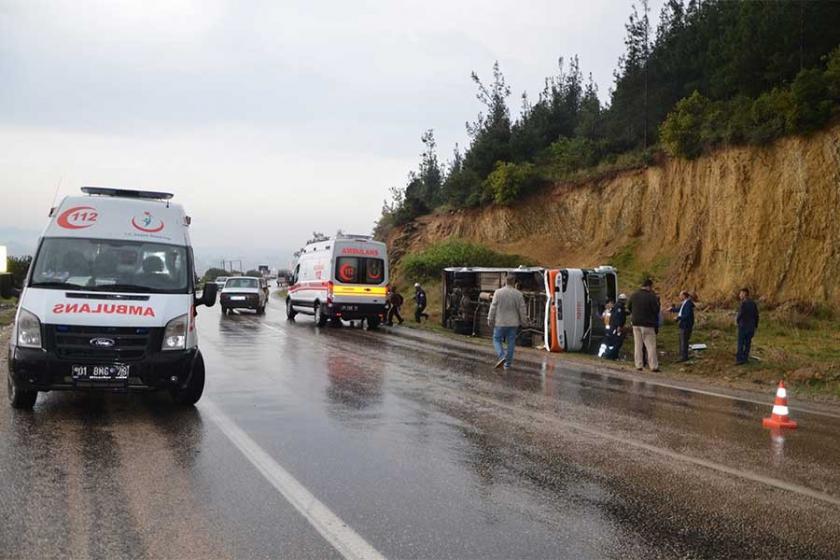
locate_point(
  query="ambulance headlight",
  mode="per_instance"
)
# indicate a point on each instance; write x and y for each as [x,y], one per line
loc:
[28,329]
[175,335]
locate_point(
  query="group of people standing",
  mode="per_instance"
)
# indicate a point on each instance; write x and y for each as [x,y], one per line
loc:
[395,302]
[508,313]
[644,310]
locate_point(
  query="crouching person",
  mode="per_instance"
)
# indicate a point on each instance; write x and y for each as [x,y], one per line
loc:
[615,331]
[507,314]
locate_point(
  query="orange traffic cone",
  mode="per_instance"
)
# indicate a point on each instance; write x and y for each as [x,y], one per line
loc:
[779,417]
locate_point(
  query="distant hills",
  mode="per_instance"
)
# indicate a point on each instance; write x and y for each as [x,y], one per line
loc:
[20,242]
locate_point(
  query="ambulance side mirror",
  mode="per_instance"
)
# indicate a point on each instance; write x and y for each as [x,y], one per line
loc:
[208,294]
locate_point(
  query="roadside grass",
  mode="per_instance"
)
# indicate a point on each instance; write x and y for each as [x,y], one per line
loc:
[805,352]
[801,348]
[7,311]
[428,263]
[631,272]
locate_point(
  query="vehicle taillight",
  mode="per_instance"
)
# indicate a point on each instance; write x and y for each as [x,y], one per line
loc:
[329,291]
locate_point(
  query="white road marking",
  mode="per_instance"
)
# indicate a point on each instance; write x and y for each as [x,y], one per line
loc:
[341,536]
[623,441]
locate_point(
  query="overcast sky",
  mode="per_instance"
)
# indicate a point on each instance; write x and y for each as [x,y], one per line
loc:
[268,119]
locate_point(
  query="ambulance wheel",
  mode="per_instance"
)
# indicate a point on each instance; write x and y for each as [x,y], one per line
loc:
[21,399]
[190,394]
[320,318]
[290,311]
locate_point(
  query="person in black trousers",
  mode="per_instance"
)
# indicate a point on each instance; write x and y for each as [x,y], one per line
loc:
[420,301]
[685,320]
[747,320]
[395,301]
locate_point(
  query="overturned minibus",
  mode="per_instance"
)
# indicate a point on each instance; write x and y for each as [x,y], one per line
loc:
[565,306]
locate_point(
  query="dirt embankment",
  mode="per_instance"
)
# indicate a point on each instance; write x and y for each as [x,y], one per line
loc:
[768,218]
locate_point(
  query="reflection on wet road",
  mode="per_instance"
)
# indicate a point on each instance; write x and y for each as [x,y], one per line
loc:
[322,443]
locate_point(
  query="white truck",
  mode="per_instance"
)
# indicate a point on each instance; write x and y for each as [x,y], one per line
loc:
[109,301]
[343,278]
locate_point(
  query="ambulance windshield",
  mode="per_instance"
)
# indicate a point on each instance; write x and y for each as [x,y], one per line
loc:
[104,265]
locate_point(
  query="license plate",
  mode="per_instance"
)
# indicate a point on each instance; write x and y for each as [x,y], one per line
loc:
[94,373]
[351,308]
[237,298]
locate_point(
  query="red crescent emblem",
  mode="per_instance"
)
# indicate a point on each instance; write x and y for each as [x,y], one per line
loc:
[78,217]
[346,272]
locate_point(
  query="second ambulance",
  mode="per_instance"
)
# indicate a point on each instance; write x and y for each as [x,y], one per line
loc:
[343,278]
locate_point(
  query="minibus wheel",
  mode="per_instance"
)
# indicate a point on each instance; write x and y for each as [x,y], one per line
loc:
[190,394]
[21,399]
[372,323]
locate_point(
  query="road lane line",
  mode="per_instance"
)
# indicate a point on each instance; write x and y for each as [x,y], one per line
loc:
[675,455]
[739,473]
[341,536]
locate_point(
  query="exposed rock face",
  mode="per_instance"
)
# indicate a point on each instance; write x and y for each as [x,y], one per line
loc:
[768,218]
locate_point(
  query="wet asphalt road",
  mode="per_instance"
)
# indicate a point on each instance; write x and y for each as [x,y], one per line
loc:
[323,443]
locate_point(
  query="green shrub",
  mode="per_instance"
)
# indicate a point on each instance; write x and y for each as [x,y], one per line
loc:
[18,267]
[769,116]
[680,133]
[738,121]
[811,106]
[568,155]
[509,181]
[832,73]
[430,262]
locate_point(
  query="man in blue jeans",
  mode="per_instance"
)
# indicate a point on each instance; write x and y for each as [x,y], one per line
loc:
[507,314]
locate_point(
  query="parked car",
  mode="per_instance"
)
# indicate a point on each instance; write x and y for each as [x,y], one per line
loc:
[220,281]
[244,292]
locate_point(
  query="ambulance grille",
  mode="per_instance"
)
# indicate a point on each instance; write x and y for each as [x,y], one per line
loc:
[130,344]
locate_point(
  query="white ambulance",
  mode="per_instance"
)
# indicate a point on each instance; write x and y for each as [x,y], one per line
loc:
[109,301]
[343,278]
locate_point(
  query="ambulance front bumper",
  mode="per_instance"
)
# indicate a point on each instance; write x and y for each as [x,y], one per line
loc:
[42,370]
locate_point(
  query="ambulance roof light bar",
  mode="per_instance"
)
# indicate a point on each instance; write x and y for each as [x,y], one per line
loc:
[341,235]
[127,193]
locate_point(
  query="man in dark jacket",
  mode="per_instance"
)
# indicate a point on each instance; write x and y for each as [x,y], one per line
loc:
[395,301]
[747,320]
[644,312]
[685,321]
[420,301]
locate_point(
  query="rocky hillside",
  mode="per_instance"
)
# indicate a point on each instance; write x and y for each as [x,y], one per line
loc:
[768,218]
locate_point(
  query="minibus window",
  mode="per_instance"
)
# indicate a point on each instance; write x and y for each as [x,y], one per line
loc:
[359,270]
